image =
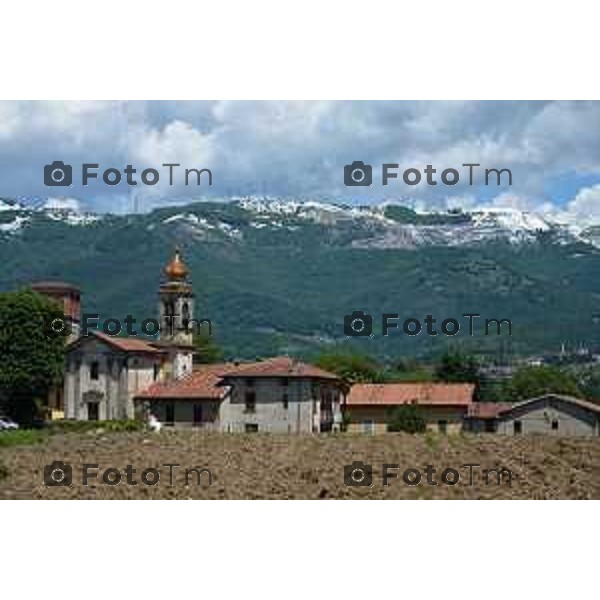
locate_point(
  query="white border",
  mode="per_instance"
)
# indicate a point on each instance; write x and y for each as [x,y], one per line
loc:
[299,550]
[350,49]
[304,50]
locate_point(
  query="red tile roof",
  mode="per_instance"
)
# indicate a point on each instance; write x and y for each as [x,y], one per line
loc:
[281,366]
[127,344]
[487,410]
[202,383]
[391,394]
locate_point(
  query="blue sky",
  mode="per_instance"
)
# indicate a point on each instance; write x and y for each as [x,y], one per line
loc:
[299,149]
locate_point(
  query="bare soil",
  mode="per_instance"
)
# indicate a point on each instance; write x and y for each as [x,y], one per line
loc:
[311,467]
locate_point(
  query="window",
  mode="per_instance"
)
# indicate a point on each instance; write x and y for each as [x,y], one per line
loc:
[251,428]
[285,381]
[517,427]
[285,401]
[170,413]
[197,414]
[490,426]
[368,426]
[555,425]
[442,426]
[250,401]
[185,314]
[94,371]
[250,382]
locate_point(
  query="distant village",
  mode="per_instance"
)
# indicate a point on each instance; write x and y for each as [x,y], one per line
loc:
[109,377]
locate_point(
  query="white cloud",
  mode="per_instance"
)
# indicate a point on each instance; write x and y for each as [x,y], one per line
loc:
[299,148]
[582,210]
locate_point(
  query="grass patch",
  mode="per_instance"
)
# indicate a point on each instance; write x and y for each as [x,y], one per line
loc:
[22,437]
[85,426]
[431,440]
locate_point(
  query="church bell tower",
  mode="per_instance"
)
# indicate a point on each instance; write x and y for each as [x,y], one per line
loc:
[176,312]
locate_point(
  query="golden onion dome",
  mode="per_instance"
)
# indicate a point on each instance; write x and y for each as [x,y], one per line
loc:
[176,269]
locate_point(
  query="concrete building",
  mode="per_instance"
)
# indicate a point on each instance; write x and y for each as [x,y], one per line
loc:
[483,417]
[444,406]
[279,395]
[191,401]
[551,414]
[103,373]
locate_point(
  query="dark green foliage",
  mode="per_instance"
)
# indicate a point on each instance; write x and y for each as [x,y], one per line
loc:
[352,368]
[456,367]
[275,290]
[206,350]
[31,361]
[403,214]
[409,370]
[346,419]
[530,382]
[588,380]
[406,418]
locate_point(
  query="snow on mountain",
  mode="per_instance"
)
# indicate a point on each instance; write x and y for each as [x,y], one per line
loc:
[198,226]
[311,210]
[13,226]
[509,219]
[386,225]
[62,204]
[476,226]
[9,205]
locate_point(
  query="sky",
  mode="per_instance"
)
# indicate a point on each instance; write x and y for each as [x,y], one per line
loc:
[299,150]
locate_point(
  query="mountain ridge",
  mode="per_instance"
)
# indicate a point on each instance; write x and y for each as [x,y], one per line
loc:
[277,276]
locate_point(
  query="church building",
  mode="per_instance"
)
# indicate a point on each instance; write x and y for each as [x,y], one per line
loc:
[103,373]
[112,377]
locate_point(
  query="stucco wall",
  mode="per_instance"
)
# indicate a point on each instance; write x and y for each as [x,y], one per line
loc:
[270,413]
[359,416]
[184,412]
[120,378]
[537,417]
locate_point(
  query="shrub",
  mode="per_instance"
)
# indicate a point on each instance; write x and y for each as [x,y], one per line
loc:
[406,418]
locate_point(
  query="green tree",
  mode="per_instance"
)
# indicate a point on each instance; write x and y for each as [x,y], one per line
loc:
[406,417]
[588,381]
[409,370]
[352,368]
[455,367]
[32,361]
[206,350]
[530,382]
